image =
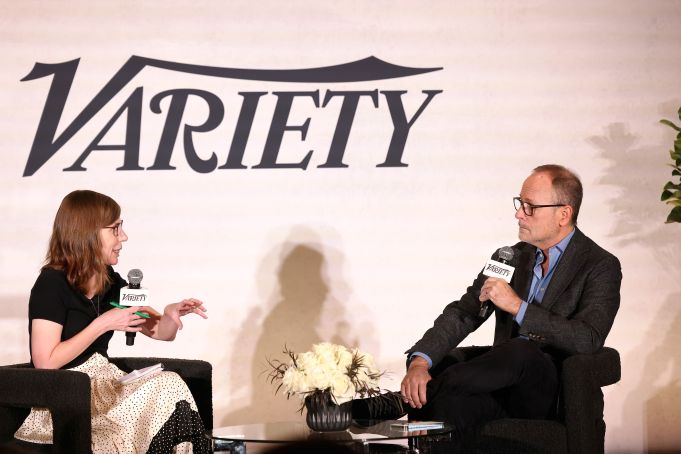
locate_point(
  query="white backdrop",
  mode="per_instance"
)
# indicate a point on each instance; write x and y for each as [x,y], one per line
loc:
[362,255]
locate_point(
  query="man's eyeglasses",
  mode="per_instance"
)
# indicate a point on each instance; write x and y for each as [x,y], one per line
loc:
[528,208]
[116,229]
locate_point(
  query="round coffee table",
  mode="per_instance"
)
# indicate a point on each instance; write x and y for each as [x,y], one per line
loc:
[359,434]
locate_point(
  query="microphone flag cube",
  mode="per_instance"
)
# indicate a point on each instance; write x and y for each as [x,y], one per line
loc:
[498,269]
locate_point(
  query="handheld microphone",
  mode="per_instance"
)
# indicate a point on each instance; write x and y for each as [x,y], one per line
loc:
[134,295]
[501,269]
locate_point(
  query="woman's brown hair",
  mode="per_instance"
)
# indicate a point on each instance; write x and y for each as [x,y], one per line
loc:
[75,247]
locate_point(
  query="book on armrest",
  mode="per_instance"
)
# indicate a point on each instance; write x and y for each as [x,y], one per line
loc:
[409,426]
[141,373]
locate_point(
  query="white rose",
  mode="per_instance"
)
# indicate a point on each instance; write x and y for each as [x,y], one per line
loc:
[326,355]
[294,382]
[342,389]
[344,359]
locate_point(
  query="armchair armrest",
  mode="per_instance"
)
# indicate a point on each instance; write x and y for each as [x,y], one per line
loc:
[603,367]
[196,374]
[65,393]
[582,377]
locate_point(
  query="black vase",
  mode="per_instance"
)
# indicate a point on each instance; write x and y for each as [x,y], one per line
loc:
[323,415]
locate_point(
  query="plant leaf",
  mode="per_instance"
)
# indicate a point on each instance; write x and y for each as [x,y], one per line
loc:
[670,124]
[674,215]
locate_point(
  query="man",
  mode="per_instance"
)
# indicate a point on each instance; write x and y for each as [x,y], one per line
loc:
[562,300]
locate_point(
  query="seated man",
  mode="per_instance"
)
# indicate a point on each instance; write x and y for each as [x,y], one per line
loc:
[562,300]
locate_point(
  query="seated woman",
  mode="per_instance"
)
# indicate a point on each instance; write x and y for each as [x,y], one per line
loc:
[71,323]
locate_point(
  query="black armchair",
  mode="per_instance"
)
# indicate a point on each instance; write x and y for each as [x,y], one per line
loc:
[578,426]
[67,395]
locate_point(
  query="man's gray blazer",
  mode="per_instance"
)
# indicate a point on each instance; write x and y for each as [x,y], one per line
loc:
[575,316]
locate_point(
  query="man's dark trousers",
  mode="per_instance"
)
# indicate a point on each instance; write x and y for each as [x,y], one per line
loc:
[514,379]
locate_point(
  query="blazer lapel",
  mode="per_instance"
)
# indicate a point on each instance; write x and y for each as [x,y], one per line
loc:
[522,279]
[572,259]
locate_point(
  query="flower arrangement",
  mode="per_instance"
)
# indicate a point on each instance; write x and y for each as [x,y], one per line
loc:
[329,368]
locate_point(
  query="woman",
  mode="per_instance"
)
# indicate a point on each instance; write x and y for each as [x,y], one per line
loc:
[71,322]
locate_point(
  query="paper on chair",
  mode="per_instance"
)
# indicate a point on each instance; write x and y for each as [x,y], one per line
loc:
[140,373]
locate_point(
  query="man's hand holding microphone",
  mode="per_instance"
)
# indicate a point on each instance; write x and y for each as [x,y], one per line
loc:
[496,290]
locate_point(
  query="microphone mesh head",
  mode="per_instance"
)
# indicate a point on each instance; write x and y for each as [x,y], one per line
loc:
[506,253]
[135,276]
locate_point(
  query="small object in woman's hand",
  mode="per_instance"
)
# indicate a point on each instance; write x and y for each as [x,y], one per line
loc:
[141,314]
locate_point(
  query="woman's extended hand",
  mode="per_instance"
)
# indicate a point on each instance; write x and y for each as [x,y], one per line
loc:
[188,306]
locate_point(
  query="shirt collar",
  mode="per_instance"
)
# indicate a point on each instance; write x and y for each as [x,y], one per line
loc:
[559,247]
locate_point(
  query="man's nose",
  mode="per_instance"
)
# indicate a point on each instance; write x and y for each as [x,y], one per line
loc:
[519,213]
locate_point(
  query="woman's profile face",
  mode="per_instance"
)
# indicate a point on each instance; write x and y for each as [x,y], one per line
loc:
[112,237]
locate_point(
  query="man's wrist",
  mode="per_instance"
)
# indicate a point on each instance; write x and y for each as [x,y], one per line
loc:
[418,361]
[422,355]
[519,303]
[520,314]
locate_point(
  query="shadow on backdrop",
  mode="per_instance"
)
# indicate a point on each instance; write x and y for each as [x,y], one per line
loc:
[306,307]
[15,306]
[638,174]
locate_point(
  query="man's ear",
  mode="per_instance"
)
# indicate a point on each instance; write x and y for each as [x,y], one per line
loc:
[565,215]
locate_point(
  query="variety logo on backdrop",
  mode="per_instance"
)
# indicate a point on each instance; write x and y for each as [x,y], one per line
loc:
[47,142]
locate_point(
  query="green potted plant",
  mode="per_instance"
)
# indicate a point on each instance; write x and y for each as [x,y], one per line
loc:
[671,193]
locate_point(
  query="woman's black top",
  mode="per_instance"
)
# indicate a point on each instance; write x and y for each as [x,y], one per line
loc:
[53,299]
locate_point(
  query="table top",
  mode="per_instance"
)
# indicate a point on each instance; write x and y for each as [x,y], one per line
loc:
[359,431]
